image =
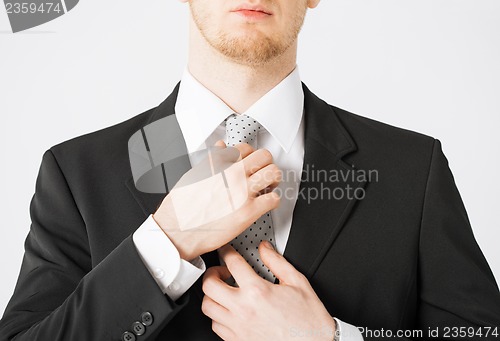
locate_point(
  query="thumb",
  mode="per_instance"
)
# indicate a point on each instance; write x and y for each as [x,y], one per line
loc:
[279,266]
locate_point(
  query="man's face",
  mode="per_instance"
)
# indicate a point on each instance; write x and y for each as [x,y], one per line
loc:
[249,32]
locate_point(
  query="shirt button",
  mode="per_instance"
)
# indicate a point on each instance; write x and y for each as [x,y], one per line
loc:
[147,318]
[159,273]
[138,328]
[174,286]
[128,336]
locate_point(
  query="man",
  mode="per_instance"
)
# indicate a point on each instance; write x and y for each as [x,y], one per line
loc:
[105,260]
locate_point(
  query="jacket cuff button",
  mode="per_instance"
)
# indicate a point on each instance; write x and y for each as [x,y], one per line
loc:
[128,336]
[147,318]
[138,328]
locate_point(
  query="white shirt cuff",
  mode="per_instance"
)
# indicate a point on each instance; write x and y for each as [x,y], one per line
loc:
[348,332]
[160,256]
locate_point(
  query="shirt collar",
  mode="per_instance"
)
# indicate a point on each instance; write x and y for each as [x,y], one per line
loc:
[199,111]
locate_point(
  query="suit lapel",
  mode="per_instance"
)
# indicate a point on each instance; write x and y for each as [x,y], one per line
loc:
[326,194]
[149,202]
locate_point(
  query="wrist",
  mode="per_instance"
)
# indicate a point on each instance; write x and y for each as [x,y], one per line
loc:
[185,245]
[328,329]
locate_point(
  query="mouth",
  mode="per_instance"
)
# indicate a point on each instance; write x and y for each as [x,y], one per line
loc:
[252,12]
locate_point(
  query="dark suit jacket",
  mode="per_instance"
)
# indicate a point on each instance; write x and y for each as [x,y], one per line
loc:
[404,257]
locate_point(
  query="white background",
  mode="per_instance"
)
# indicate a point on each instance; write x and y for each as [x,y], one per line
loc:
[428,65]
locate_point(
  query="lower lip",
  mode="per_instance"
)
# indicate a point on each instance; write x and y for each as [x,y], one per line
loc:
[252,14]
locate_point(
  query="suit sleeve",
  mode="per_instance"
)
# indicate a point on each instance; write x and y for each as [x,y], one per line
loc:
[457,287]
[458,295]
[59,296]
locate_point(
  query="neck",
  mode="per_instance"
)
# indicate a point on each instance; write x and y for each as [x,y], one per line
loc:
[239,86]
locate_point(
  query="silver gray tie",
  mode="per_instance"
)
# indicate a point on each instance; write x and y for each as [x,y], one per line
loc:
[244,129]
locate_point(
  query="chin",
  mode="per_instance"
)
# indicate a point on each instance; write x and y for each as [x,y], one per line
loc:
[248,46]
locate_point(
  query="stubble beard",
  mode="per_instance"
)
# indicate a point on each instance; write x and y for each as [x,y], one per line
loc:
[253,49]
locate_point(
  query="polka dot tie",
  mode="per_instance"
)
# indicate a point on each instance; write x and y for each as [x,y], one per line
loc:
[244,129]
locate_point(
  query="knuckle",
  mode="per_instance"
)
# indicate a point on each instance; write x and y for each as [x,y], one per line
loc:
[246,148]
[273,168]
[208,274]
[271,201]
[301,278]
[277,174]
[231,260]
[252,169]
[266,155]
[274,199]
[258,292]
[238,262]
[252,185]
[207,286]
[205,306]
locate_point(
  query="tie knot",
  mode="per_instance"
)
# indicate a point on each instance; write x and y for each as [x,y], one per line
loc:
[241,129]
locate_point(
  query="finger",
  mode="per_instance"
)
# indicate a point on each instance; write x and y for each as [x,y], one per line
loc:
[245,149]
[242,272]
[269,176]
[214,310]
[268,189]
[216,288]
[220,272]
[220,143]
[257,160]
[263,203]
[279,266]
[224,332]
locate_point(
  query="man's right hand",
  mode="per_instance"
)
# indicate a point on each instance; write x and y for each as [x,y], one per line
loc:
[261,176]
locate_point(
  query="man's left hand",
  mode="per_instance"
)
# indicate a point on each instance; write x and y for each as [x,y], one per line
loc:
[258,309]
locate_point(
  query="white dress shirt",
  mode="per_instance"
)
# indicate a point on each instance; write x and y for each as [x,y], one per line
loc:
[200,114]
